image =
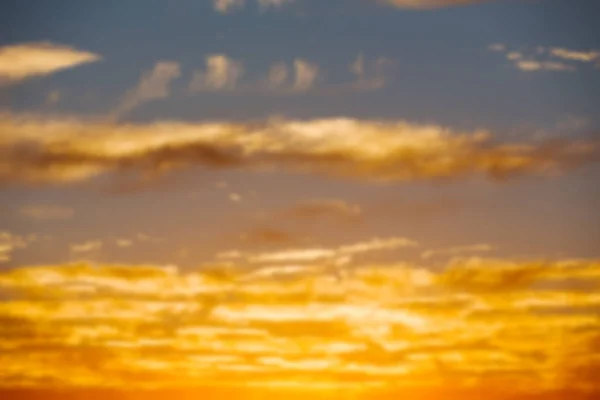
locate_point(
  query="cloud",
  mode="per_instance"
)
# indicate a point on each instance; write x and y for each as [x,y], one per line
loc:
[47,150]
[427,4]
[528,65]
[341,254]
[369,75]
[277,76]
[235,197]
[546,59]
[124,243]
[153,85]
[266,236]
[222,73]
[10,242]
[86,247]
[225,6]
[475,326]
[273,3]
[53,97]
[44,212]
[306,75]
[453,251]
[28,60]
[322,209]
[575,55]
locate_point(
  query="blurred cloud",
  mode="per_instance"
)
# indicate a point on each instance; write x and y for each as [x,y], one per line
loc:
[322,209]
[23,61]
[306,75]
[546,59]
[453,251]
[43,212]
[10,242]
[53,97]
[86,247]
[227,6]
[153,85]
[340,255]
[425,4]
[221,73]
[62,150]
[267,236]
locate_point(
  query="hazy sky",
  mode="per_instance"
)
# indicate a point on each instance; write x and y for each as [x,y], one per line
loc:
[242,171]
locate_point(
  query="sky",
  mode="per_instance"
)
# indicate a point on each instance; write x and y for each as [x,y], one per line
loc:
[357,199]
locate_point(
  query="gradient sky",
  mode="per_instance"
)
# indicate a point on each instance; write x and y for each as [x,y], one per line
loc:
[351,197]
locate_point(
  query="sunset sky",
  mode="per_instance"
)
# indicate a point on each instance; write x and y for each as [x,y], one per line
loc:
[328,199]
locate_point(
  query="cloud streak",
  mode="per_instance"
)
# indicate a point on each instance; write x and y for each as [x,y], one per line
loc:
[24,61]
[430,4]
[42,150]
[46,212]
[547,59]
[153,85]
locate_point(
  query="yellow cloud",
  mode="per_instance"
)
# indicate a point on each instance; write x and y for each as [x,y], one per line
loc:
[23,61]
[393,326]
[35,149]
[576,55]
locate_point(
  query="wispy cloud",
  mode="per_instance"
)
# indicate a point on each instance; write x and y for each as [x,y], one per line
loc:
[44,212]
[153,85]
[86,247]
[546,59]
[268,236]
[23,61]
[323,208]
[10,242]
[428,4]
[227,6]
[306,75]
[337,255]
[70,150]
[221,73]
[575,55]
[530,65]
[454,251]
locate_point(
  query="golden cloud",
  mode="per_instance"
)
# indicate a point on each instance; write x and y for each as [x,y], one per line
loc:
[478,323]
[22,61]
[73,150]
